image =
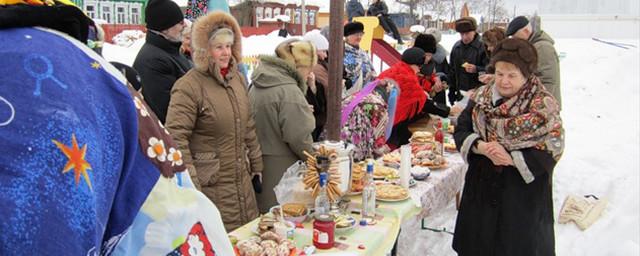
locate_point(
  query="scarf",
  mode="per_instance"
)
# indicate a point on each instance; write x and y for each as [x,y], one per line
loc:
[531,118]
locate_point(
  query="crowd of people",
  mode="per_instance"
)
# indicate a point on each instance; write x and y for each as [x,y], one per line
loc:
[237,135]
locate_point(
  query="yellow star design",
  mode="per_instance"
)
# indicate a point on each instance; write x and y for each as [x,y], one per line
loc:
[76,159]
[95,65]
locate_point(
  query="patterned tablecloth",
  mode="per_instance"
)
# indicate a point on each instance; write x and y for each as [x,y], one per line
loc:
[427,197]
[441,186]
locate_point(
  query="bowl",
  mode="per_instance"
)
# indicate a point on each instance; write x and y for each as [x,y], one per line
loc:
[295,219]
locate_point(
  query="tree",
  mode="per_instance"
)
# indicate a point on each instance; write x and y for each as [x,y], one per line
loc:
[412,4]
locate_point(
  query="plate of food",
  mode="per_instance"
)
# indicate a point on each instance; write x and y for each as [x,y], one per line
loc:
[344,223]
[294,212]
[391,193]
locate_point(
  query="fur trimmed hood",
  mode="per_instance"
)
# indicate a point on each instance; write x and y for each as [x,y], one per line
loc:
[203,28]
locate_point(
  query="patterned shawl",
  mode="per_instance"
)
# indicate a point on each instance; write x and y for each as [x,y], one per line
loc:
[531,118]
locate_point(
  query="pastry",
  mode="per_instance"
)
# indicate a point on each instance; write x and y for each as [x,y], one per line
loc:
[391,192]
[294,210]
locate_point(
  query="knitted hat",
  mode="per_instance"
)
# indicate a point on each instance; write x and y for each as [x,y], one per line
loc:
[162,14]
[297,53]
[426,42]
[517,52]
[413,56]
[516,24]
[353,28]
[318,40]
[435,33]
[466,24]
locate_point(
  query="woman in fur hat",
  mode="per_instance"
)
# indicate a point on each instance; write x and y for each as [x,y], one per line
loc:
[511,136]
[284,119]
[210,119]
[490,39]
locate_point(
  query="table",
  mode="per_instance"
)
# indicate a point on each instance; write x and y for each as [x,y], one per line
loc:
[427,197]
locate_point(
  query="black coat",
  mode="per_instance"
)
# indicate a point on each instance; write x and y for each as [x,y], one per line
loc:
[499,213]
[354,9]
[378,8]
[473,53]
[159,64]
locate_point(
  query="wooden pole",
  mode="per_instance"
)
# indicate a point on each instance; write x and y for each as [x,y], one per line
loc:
[336,58]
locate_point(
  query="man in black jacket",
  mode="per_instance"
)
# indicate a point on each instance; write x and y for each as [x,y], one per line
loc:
[159,62]
[468,58]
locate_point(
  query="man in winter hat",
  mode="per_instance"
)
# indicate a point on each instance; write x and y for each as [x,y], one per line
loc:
[548,61]
[468,58]
[283,119]
[160,62]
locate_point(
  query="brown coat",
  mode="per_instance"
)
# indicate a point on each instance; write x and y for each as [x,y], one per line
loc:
[210,119]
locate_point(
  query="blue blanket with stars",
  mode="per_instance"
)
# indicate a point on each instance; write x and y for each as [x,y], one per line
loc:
[85,168]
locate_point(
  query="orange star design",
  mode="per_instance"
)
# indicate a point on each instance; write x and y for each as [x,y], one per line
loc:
[76,159]
[95,65]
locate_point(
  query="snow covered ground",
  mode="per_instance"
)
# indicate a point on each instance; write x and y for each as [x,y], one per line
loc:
[601,114]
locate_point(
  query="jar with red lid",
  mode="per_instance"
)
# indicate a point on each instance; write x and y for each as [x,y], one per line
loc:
[323,231]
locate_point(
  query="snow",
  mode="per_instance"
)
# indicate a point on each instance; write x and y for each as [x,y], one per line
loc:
[601,114]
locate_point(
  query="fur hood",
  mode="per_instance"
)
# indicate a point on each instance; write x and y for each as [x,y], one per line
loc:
[203,28]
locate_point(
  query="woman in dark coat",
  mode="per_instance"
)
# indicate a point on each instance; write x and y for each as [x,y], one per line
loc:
[511,136]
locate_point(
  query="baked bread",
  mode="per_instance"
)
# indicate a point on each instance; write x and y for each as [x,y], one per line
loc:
[294,209]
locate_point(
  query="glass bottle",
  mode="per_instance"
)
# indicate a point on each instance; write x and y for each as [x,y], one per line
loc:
[369,194]
[322,205]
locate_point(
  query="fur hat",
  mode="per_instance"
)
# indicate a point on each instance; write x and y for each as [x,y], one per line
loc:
[318,40]
[413,56]
[162,14]
[517,52]
[493,36]
[201,33]
[353,28]
[426,42]
[466,24]
[297,53]
[516,24]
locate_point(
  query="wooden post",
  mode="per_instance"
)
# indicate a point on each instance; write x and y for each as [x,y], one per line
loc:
[336,58]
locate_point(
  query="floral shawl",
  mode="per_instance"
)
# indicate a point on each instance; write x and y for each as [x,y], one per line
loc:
[531,118]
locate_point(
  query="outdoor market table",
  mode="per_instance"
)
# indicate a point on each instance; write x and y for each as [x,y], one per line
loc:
[427,197]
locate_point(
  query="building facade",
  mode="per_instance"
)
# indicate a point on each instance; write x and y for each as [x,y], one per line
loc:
[114,11]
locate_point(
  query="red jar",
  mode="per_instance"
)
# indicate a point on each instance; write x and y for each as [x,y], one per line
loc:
[323,231]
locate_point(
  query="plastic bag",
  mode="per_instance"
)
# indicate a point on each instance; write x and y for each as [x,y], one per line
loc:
[290,189]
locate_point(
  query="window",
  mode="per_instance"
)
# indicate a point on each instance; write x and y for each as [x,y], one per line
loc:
[287,12]
[259,13]
[312,18]
[276,11]
[91,10]
[135,15]
[297,18]
[106,13]
[120,15]
[268,13]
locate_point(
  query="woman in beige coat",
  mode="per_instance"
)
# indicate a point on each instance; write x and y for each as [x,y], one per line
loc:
[210,119]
